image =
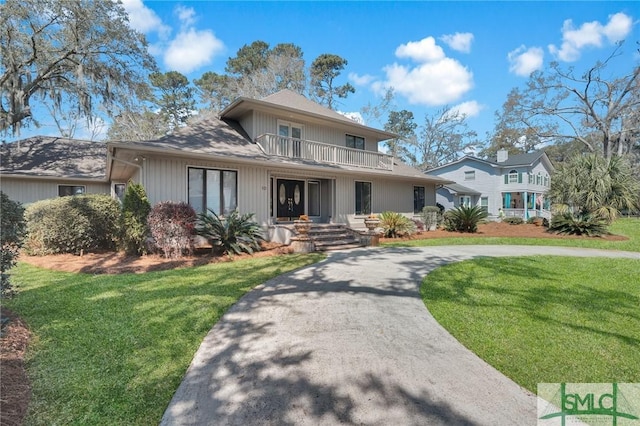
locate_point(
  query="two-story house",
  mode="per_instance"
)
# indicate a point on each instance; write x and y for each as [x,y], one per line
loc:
[516,184]
[278,157]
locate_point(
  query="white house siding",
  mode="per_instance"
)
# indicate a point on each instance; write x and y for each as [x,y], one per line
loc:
[267,123]
[386,195]
[484,183]
[166,180]
[27,191]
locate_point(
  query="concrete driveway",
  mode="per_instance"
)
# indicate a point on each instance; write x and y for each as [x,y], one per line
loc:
[349,341]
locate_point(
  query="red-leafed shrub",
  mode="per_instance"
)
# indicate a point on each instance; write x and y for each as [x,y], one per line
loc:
[172,226]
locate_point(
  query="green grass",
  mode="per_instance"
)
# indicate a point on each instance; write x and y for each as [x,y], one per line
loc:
[628,227]
[544,319]
[112,349]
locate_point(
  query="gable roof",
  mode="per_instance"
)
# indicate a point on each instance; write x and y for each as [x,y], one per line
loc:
[291,102]
[455,188]
[43,156]
[512,161]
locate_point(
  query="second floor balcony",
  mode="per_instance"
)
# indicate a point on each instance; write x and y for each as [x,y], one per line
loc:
[320,152]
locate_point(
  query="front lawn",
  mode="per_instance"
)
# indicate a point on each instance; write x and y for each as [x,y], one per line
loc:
[628,227]
[544,319]
[112,349]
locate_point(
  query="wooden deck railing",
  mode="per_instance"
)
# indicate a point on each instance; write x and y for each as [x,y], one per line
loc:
[323,153]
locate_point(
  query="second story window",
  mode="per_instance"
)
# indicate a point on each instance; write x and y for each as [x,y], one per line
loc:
[470,175]
[355,142]
[513,176]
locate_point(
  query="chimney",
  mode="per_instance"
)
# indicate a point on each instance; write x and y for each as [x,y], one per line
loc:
[503,154]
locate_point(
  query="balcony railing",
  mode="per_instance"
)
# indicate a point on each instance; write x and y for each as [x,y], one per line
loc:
[323,153]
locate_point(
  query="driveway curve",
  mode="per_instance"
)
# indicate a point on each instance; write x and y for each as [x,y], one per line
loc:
[349,341]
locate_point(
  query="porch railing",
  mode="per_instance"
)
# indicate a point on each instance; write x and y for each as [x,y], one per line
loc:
[531,212]
[323,153]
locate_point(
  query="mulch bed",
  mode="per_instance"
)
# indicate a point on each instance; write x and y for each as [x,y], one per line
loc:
[15,391]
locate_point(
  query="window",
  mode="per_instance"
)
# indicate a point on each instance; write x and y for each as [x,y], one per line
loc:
[513,176]
[213,189]
[314,198]
[546,181]
[65,190]
[470,175]
[531,179]
[119,190]
[363,198]
[355,142]
[418,199]
[465,201]
[484,204]
[539,179]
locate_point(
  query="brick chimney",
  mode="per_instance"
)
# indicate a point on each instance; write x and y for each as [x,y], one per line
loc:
[503,154]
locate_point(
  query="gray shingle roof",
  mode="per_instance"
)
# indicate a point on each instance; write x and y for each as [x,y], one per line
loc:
[520,159]
[460,189]
[54,157]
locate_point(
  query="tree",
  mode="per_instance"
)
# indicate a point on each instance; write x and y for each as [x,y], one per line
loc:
[249,59]
[601,112]
[176,100]
[374,113]
[510,134]
[72,56]
[589,184]
[215,90]
[12,231]
[402,124]
[444,137]
[324,70]
[139,125]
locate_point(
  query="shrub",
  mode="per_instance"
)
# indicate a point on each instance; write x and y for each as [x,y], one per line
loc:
[234,234]
[72,224]
[464,219]
[396,225]
[513,220]
[418,224]
[133,220]
[581,224]
[172,225]
[432,216]
[12,229]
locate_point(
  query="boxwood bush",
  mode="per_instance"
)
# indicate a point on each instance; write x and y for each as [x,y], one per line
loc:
[172,225]
[11,237]
[72,224]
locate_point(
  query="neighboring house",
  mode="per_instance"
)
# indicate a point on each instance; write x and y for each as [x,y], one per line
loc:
[279,157]
[516,184]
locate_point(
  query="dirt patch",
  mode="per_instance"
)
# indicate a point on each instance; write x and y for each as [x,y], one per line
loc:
[502,229]
[14,385]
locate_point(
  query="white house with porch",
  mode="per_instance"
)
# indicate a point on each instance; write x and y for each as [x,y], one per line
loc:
[516,184]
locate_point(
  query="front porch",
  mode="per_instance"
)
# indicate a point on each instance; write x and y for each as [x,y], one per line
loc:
[525,205]
[302,149]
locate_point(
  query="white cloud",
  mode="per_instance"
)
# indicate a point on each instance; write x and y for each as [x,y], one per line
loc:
[458,41]
[425,50]
[186,15]
[590,34]
[143,19]
[361,80]
[523,61]
[192,49]
[468,109]
[436,80]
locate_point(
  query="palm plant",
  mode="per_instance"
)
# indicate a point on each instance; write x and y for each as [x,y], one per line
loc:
[464,219]
[581,224]
[396,225]
[234,234]
[592,185]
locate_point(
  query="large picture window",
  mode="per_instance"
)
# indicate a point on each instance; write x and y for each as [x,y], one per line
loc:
[355,142]
[418,199]
[66,190]
[213,189]
[363,198]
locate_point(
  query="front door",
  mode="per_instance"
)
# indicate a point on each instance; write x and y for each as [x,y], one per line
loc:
[290,199]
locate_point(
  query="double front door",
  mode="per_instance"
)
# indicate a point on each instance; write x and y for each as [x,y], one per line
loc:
[290,197]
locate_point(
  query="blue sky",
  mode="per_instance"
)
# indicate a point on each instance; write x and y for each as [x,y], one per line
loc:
[467,55]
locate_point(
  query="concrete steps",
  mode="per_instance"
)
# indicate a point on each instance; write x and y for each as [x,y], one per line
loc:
[327,237]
